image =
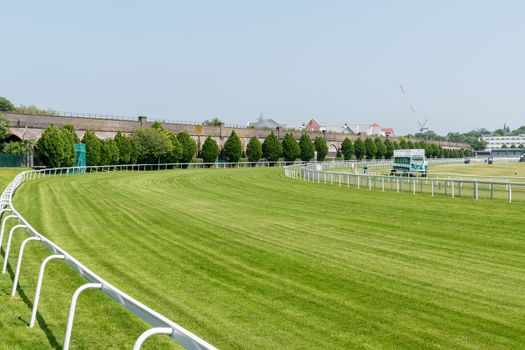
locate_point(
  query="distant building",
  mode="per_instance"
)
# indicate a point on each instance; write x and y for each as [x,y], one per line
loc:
[344,129]
[312,125]
[497,142]
[263,123]
[359,129]
[375,129]
[388,131]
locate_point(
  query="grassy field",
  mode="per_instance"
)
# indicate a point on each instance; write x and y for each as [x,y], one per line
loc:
[481,169]
[249,259]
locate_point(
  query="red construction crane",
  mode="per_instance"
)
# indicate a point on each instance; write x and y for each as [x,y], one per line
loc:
[422,125]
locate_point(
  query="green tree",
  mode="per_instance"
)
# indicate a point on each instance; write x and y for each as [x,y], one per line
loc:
[233,148]
[5,105]
[306,148]
[347,148]
[290,147]
[403,144]
[124,148]
[321,147]
[18,147]
[389,149]
[272,149]
[135,151]
[69,130]
[5,130]
[53,148]
[92,148]
[380,148]
[254,149]
[188,145]
[370,147]
[153,143]
[210,150]
[359,149]
[504,146]
[176,152]
[113,151]
[70,138]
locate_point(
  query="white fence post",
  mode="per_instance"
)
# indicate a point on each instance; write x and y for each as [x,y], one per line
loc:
[8,246]
[39,287]
[72,308]
[19,262]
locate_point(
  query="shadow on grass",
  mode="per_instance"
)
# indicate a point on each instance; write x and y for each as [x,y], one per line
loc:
[40,320]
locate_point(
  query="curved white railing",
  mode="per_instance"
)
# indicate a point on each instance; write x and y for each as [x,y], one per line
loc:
[152,317]
[356,175]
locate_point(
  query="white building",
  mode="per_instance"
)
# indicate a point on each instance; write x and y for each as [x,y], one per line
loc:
[496,142]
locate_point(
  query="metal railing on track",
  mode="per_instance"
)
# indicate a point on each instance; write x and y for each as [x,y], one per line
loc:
[353,175]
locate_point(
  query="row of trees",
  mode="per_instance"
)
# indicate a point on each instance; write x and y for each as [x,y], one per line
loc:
[157,145]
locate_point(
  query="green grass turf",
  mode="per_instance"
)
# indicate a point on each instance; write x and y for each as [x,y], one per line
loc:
[249,259]
[481,169]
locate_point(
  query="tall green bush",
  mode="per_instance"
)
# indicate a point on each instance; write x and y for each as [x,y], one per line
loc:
[370,148]
[92,148]
[153,143]
[380,148]
[124,148]
[359,149]
[70,138]
[321,147]
[254,150]
[6,105]
[389,149]
[233,148]
[188,145]
[53,148]
[210,150]
[272,148]
[307,148]
[347,148]
[290,148]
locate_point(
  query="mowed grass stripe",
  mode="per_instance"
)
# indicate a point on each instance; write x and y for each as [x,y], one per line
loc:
[247,258]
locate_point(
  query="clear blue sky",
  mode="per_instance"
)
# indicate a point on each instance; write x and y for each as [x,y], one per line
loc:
[462,62]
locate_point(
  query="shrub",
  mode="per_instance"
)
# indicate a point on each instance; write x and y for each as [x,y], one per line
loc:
[17,147]
[254,150]
[290,147]
[69,148]
[233,148]
[380,148]
[5,105]
[176,152]
[54,148]
[5,130]
[306,147]
[321,147]
[210,150]
[124,148]
[359,149]
[347,149]
[370,148]
[188,145]
[389,149]
[153,143]
[272,148]
[92,148]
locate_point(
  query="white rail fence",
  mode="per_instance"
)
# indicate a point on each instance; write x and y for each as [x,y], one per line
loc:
[450,186]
